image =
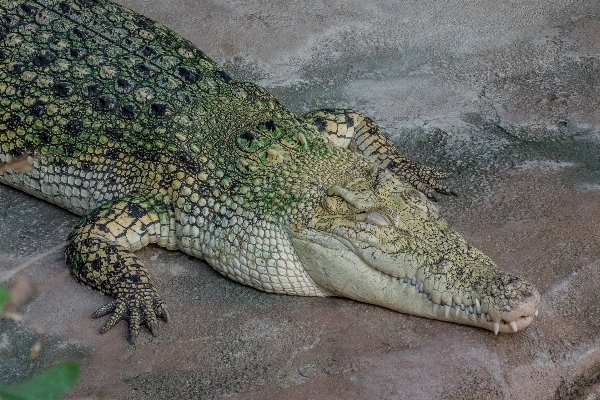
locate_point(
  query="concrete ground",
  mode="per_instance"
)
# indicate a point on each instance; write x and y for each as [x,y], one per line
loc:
[503,94]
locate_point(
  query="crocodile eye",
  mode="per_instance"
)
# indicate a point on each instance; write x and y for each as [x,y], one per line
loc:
[378,219]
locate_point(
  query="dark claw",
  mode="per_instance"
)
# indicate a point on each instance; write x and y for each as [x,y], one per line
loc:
[165,315]
[435,197]
[132,337]
[154,329]
[454,192]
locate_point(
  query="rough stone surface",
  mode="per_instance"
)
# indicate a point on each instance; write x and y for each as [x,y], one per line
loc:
[504,95]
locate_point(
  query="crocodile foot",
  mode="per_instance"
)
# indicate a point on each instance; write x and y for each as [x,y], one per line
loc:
[140,307]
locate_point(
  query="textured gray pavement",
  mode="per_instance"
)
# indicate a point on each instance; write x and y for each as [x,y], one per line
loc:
[503,94]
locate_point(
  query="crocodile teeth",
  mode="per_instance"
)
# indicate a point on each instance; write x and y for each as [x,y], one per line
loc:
[496,327]
[394,279]
[470,310]
[513,326]
[425,296]
[536,313]
[477,306]
[421,287]
[457,309]
[435,307]
[446,311]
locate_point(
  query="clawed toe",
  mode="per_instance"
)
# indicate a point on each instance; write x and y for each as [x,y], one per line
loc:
[165,316]
[153,329]
[132,337]
[105,309]
[427,180]
[137,308]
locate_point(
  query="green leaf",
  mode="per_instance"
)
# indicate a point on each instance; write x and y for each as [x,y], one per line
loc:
[50,385]
[4,297]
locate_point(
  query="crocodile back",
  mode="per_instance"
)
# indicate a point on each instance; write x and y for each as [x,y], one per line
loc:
[98,98]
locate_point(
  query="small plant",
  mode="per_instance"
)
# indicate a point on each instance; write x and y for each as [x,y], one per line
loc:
[4,297]
[50,385]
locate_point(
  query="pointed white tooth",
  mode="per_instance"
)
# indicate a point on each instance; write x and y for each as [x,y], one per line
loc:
[536,313]
[496,327]
[513,325]
[394,279]
[477,306]
[424,296]
[414,282]
[462,307]
[435,307]
[405,280]
[488,317]
[446,311]
[470,310]
[421,287]
[457,309]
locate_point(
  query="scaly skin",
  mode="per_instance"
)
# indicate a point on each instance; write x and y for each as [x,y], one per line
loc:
[117,119]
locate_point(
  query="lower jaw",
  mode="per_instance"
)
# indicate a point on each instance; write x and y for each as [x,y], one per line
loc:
[348,276]
[406,298]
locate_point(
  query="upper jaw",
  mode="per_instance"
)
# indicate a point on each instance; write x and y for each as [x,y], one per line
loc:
[502,303]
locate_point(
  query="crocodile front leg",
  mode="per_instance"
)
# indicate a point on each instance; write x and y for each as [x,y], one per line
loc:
[100,255]
[354,131]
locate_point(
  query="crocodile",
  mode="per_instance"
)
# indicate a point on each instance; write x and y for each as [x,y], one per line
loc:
[118,119]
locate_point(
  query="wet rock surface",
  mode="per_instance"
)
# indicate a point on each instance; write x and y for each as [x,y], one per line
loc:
[503,95]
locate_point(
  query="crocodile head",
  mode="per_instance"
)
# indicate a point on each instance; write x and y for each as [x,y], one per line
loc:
[380,241]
